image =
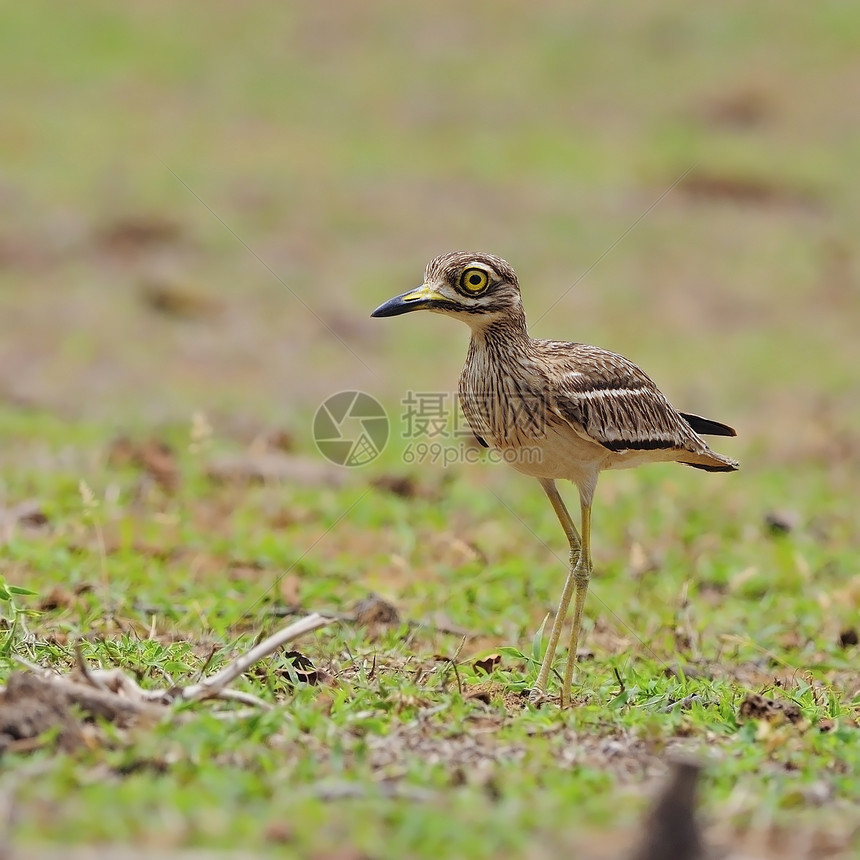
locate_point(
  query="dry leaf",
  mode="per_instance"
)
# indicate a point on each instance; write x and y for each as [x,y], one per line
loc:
[138,232]
[173,297]
[488,664]
[153,456]
[57,598]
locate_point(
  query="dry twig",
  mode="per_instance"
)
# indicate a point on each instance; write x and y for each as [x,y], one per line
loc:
[114,696]
[212,686]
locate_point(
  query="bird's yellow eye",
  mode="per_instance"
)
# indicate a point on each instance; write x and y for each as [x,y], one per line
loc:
[474,281]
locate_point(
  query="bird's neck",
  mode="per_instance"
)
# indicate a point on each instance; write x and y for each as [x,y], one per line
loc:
[508,330]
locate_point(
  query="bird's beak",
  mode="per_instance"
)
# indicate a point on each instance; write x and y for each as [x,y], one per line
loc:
[415,300]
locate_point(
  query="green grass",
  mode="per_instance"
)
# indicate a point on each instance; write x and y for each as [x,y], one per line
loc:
[344,146]
[412,761]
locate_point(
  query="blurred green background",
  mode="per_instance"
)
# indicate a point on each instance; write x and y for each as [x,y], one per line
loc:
[202,203]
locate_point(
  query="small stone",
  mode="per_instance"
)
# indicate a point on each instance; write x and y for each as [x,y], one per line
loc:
[373,610]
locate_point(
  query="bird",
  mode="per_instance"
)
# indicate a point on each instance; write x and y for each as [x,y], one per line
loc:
[555,411]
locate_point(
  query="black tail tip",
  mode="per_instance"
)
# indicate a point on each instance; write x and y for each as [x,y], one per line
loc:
[707,427]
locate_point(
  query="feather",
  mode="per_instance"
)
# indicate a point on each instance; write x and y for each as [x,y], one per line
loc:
[706,427]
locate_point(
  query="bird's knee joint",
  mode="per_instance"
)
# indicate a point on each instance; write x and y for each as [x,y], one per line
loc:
[581,575]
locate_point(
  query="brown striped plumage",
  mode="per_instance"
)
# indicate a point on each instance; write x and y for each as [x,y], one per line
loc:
[557,409]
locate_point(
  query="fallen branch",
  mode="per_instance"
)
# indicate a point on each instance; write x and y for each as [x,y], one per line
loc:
[213,685]
[104,704]
[111,695]
[243,698]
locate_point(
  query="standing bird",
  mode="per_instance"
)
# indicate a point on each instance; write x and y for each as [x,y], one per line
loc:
[554,409]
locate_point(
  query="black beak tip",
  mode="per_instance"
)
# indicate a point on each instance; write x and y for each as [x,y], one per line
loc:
[395,307]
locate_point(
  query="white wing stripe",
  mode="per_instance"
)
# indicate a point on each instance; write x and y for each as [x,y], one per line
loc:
[600,393]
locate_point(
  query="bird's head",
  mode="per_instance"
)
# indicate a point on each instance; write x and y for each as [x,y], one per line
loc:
[477,288]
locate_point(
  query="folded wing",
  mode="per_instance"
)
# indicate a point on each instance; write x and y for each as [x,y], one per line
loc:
[606,398]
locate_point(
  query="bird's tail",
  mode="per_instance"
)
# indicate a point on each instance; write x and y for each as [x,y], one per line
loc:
[707,427]
[708,460]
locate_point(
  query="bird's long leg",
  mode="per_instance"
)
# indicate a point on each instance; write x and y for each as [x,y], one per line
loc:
[573,539]
[581,575]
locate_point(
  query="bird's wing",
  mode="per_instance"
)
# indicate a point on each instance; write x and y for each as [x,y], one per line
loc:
[607,399]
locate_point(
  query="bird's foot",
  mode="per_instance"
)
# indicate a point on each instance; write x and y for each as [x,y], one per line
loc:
[538,697]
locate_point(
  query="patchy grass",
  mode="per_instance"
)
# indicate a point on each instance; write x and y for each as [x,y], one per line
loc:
[149,355]
[411,747]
